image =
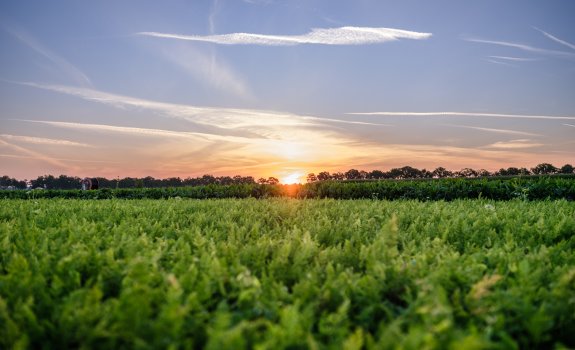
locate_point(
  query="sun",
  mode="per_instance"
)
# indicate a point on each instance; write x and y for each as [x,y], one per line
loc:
[293,178]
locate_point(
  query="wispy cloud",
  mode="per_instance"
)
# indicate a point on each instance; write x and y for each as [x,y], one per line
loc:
[431,155]
[212,17]
[241,140]
[209,69]
[139,131]
[203,63]
[462,114]
[36,155]
[62,64]
[58,159]
[43,141]
[225,118]
[524,47]
[269,124]
[263,136]
[514,144]
[215,152]
[329,36]
[492,130]
[501,63]
[556,39]
[258,2]
[514,59]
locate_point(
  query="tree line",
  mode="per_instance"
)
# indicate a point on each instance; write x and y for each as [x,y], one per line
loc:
[65,182]
[408,172]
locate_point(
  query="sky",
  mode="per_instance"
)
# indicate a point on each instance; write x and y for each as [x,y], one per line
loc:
[283,87]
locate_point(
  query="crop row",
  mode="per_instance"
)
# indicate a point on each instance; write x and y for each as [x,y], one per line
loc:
[536,188]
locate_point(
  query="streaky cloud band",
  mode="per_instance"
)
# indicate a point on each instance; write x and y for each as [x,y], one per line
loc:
[523,47]
[227,118]
[320,36]
[515,59]
[462,114]
[43,141]
[556,39]
[514,144]
[493,130]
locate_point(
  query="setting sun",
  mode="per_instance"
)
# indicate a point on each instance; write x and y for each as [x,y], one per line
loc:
[292,179]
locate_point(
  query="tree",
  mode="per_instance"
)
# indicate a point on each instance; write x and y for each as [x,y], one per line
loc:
[376,174]
[405,172]
[544,169]
[338,176]
[323,176]
[46,181]
[352,174]
[395,173]
[408,172]
[262,181]
[524,171]
[483,172]
[311,177]
[273,180]
[441,172]
[208,180]
[567,169]
[248,180]
[426,174]
[225,180]
[127,182]
[466,172]
[6,181]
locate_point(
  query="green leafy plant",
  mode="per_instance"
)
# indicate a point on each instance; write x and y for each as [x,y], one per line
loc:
[285,273]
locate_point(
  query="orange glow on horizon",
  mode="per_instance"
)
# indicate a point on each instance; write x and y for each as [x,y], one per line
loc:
[293,178]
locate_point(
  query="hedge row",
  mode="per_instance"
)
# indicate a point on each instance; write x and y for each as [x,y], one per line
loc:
[440,189]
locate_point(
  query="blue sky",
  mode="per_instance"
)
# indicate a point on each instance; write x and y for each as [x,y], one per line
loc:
[283,88]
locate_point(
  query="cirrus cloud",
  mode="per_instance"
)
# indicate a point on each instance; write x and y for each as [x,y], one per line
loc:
[43,141]
[514,144]
[463,114]
[321,36]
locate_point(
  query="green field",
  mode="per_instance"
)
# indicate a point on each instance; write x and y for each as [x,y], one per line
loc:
[286,273]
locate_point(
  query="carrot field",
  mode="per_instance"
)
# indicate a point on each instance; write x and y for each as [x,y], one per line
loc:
[286,273]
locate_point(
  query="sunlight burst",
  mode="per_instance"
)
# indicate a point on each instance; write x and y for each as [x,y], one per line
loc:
[293,178]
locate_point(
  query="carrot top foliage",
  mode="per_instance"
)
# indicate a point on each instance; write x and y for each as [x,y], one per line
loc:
[285,273]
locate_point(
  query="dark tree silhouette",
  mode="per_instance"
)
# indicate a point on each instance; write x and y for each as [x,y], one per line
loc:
[353,174]
[466,172]
[338,176]
[311,177]
[441,172]
[273,181]
[544,169]
[376,174]
[567,169]
[483,172]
